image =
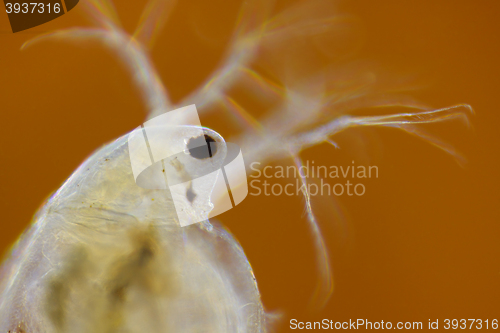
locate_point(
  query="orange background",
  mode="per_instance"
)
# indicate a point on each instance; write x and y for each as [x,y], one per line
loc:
[422,243]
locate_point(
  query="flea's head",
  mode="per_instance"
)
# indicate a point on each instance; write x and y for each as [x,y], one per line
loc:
[192,174]
[184,160]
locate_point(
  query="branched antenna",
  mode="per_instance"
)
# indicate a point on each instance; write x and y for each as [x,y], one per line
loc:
[128,48]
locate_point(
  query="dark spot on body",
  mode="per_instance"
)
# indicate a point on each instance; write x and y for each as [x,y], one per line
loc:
[190,194]
[202,147]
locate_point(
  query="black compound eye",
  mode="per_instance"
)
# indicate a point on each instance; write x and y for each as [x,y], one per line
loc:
[202,147]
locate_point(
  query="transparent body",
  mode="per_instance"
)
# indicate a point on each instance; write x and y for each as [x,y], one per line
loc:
[105,255]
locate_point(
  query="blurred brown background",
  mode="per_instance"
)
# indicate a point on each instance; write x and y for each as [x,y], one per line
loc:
[422,243]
